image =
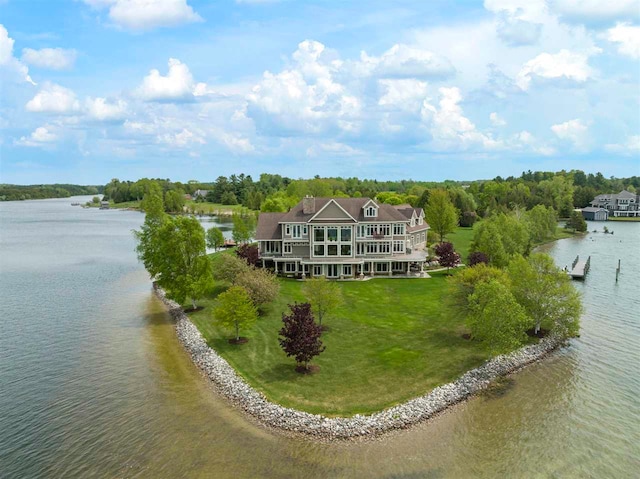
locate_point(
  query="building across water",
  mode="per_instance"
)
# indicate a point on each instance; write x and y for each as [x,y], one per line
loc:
[344,238]
[624,203]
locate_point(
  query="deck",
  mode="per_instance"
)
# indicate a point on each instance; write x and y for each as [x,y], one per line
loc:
[580,268]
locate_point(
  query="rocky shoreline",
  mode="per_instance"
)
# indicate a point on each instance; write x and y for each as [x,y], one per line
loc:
[234,388]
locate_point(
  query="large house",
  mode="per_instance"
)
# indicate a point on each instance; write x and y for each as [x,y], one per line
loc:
[624,203]
[343,238]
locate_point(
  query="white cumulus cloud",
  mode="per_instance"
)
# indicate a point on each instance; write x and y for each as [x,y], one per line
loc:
[53,98]
[448,126]
[574,131]
[564,65]
[629,147]
[405,94]
[8,61]
[147,14]
[176,85]
[627,37]
[181,139]
[102,110]
[403,61]
[51,58]
[41,136]
[595,10]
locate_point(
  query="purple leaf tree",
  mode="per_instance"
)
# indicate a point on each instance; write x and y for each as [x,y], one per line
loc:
[300,336]
[448,256]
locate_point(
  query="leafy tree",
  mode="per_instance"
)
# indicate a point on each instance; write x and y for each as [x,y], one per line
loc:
[477,258]
[184,270]
[174,201]
[227,267]
[249,253]
[215,238]
[323,295]
[487,239]
[243,227]
[463,284]
[542,223]
[440,213]
[448,256]
[228,198]
[576,222]
[468,218]
[95,200]
[300,335]
[149,240]
[495,317]
[262,285]
[546,293]
[235,309]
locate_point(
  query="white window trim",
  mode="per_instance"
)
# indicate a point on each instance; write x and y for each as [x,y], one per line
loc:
[287,248]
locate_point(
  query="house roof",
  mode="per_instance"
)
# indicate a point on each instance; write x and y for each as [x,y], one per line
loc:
[626,194]
[592,209]
[353,206]
[268,227]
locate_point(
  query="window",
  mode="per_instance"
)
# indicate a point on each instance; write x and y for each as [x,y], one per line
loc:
[332,270]
[413,221]
[297,231]
[361,231]
[271,247]
[287,248]
[318,234]
[346,270]
[360,248]
[382,267]
[420,221]
[372,248]
[332,250]
[345,234]
[304,230]
[398,229]
[318,250]
[345,250]
[332,234]
[370,212]
[397,266]
[317,270]
[398,246]
[287,230]
[384,248]
[290,267]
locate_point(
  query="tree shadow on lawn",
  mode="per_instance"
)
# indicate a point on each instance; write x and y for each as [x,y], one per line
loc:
[282,372]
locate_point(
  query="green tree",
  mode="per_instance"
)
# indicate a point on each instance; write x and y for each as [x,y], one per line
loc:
[149,240]
[576,222]
[263,286]
[440,213]
[542,223]
[323,295]
[178,259]
[235,309]
[227,267]
[244,227]
[174,201]
[215,238]
[462,285]
[546,293]
[487,239]
[495,317]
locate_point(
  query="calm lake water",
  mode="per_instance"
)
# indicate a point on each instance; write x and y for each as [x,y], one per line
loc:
[93,382]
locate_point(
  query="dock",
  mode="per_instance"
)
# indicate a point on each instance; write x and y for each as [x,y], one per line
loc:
[579,268]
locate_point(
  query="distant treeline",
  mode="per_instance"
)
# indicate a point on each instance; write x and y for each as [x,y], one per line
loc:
[38,192]
[563,190]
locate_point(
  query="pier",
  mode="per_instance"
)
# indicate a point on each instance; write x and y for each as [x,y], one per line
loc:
[579,269]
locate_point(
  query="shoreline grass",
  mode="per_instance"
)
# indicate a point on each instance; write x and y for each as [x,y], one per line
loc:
[388,332]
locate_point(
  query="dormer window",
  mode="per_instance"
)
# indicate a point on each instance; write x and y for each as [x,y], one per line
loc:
[370,212]
[420,221]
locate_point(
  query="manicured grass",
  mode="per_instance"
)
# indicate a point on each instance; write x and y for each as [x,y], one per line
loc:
[624,218]
[214,208]
[461,239]
[389,342]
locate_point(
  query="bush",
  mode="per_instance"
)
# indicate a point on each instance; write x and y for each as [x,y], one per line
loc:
[249,253]
[478,257]
[262,286]
[468,218]
[227,267]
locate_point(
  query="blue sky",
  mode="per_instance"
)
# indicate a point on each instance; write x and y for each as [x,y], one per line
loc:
[188,89]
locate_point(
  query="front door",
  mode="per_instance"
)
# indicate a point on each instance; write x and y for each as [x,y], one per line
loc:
[332,271]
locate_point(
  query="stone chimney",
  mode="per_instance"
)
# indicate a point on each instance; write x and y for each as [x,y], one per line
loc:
[308,205]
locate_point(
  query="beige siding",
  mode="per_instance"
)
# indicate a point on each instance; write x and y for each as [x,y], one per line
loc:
[332,211]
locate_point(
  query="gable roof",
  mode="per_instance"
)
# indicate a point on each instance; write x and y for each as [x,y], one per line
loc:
[327,204]
[268,227]
[353,206]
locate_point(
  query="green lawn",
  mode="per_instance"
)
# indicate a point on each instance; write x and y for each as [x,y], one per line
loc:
[461,239]
[389,342]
